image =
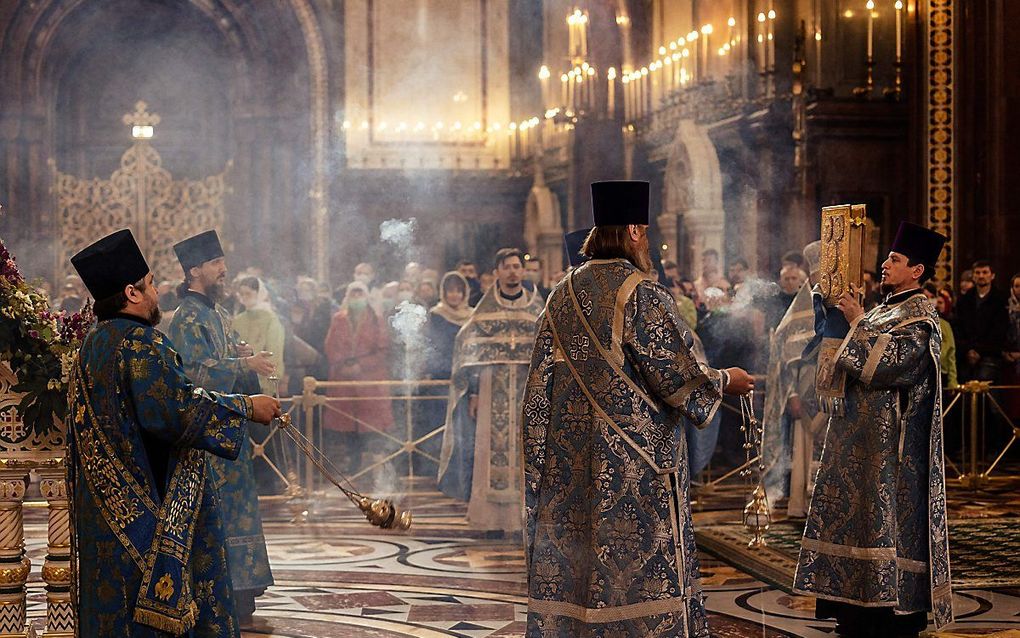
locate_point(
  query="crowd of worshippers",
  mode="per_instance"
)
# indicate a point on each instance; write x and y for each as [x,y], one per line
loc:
[348,332]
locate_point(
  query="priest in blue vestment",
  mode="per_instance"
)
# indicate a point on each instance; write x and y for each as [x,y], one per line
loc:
[213,359]
[875,550]
[609,540]
[148,551]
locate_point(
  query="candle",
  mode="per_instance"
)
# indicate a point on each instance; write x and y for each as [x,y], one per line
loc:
[655,88]
[730,41]
[871,27]
[543,77]
[646,92]
[772,39]
[563,90]
[626,102]
[584,35]
[899,29]
[570,34]
[761,42]
[706,31]
[611,92]
[691,38]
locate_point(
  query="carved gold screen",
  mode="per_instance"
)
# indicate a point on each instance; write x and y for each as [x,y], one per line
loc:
[140,195]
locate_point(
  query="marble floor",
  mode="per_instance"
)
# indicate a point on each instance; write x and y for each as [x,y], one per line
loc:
[336,576]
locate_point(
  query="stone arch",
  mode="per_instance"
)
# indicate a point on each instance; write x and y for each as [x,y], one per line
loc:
[277,49]
[543,231]
[692,218]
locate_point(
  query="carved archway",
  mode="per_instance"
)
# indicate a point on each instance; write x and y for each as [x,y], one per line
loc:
[279,108]
[692,219]
[543,231]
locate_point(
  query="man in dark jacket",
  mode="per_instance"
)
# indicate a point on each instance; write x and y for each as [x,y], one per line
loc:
[982,323]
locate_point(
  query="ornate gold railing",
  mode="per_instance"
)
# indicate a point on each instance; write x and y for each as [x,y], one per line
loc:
[306,411]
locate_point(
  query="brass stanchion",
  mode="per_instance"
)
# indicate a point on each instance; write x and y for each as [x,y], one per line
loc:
[973,477]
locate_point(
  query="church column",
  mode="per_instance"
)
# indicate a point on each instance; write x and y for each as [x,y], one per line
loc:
[56,570]
[550,251]
[669,229]
[704,230]
[14,565]
[941,144]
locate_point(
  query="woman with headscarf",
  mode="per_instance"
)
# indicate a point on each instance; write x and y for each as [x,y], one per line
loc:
[357,347]
[444,321]
[259,326]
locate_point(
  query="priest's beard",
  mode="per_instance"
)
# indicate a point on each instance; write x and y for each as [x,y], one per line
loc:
[214,292]
[639,255]
[155,315]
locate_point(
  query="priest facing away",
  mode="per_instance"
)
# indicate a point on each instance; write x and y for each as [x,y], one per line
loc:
[876,547]
[609,545]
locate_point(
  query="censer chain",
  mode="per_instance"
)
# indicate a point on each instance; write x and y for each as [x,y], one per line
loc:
[380,512]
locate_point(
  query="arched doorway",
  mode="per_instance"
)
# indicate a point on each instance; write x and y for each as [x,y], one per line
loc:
[692,218]
[241,80]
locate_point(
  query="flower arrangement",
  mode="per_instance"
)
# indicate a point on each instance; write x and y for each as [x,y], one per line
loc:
[38,345]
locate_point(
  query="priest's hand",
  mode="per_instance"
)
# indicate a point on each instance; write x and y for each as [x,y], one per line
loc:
[740,381]
[264,408]
[261,364]
[244,350]
[850,305]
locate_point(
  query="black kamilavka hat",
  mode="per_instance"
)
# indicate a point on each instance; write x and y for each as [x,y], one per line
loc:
[619,203]
[918,244]
[195,251]
[110,264]
[573,241]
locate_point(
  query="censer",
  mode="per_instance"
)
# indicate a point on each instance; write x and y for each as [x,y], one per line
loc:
[379,512]
[757,514]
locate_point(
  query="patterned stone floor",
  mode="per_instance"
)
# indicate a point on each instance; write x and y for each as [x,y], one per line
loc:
[338,577]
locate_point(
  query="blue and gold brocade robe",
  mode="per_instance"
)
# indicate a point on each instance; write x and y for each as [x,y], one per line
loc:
[876,531]
[480,460]
[200,331]
[148,546]
[609,540]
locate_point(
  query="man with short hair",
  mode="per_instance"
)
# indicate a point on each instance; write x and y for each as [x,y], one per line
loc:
[982,326]
[792,258]
[214,359]
[711,273]
[610,546]
[147,537]
[791,279]
[875,550]
[480,460]
[672,271]
[533,276]
[469,271]
[738,272]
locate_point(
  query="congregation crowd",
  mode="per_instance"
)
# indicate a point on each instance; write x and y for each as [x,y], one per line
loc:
[348,332]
